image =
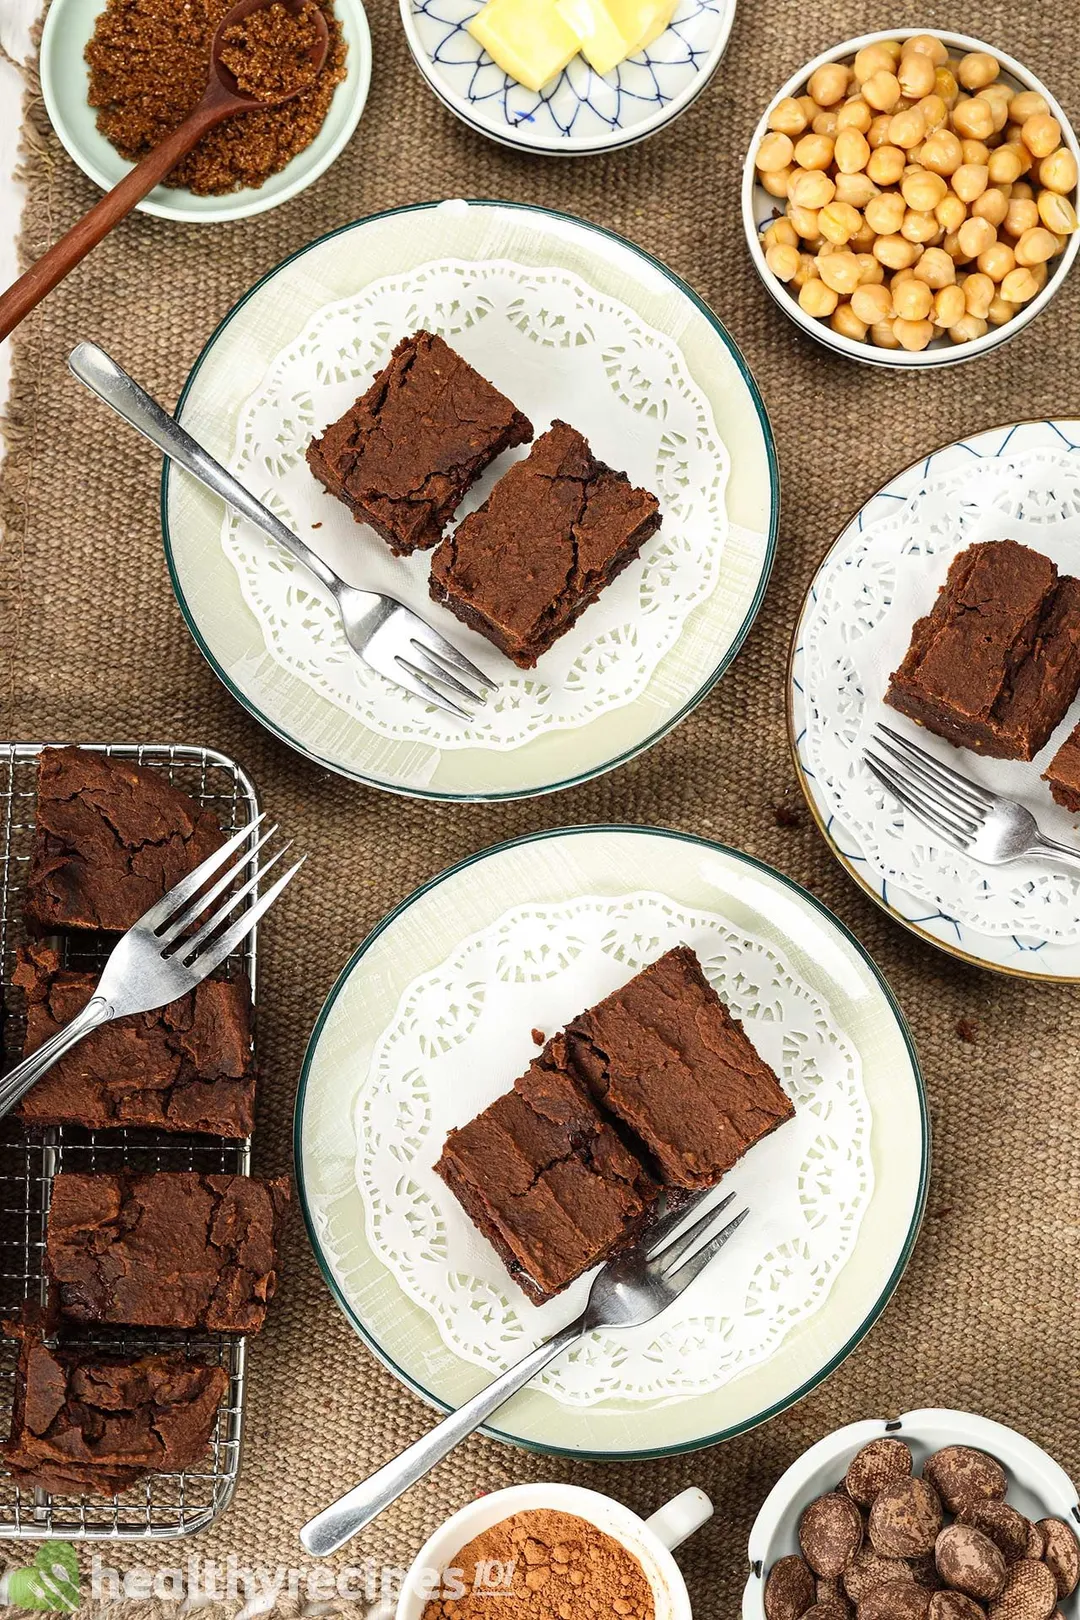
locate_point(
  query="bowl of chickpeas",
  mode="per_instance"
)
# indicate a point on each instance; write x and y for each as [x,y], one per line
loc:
[909,198]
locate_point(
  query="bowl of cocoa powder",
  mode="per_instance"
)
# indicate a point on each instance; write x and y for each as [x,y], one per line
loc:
[118,75]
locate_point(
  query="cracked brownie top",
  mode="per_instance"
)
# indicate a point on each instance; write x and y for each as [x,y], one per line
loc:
[111,838]
[404,456]
[557,528]
[186,1067]
[170,1250]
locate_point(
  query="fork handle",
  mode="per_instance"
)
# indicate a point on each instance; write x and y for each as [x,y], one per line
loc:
[101,374]
[335,1525]
[15,1085]
[1060,852]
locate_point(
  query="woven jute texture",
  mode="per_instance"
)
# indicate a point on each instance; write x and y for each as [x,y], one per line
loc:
[92,645]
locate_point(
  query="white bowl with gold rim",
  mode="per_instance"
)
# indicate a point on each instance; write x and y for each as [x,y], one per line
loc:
[579,111]
[759,209]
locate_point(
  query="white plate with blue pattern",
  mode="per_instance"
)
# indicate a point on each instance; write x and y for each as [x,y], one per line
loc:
[1020,482]
[580,111]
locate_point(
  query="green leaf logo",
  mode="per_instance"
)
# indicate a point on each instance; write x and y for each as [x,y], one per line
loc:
[50,1583]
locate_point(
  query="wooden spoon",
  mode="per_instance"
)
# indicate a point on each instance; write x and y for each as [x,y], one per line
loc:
[223,99]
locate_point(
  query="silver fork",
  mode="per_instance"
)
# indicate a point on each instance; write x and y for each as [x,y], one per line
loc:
[153,963]
[382,631]
[629,1290]
[963,813]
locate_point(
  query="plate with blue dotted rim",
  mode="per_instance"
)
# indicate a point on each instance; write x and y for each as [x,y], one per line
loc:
[580,111]
[1019,482]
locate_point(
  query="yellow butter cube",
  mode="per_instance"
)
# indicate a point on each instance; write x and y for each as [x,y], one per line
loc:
[602,45]
[641,21]
[660,26]
[527,38]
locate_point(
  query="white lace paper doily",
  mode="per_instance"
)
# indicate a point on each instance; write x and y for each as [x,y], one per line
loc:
[463,1032]
[558,348]
[876,583]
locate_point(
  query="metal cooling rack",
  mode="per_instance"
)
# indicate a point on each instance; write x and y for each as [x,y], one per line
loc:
[164,1505]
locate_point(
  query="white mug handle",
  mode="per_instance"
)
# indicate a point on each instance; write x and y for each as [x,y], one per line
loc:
[678,1519]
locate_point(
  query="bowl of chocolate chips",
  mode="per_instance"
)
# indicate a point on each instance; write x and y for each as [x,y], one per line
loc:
[937,1515]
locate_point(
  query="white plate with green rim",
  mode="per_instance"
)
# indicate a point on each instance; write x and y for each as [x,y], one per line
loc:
[69,25]
[570,321]
[607,899]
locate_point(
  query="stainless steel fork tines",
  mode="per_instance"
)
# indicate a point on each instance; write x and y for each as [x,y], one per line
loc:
[969,817]
[394,640]
[160,958]
[629,1290]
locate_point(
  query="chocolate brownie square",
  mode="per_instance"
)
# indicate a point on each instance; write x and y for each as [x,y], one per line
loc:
[173,1249]
[87,1423]
[405,455]
[555,530]
[111,838]
[186,1067]
[1063,773]
[666,1058]
[995,663]
[547,1181]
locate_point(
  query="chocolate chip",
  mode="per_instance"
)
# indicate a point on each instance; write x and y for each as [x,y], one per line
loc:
[1007,1528]
[869,1569]
[789,1590]
[830,1534]
[961,1475]
[1029,1593]
[899,1600]
[1061,1555]
[970,1561]
[954,1606]
[905,1519]
[882,1462]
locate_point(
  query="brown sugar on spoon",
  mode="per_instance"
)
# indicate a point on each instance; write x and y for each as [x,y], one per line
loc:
[149,61]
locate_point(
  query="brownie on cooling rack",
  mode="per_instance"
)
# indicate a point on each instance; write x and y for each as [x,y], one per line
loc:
[185,1067]
[170,1249]
[110,839]
[86,1422]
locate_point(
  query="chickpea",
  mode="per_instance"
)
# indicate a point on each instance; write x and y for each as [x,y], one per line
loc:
[916,74]
[1027,104]
[814,152]
[1004,165]
[997,260]
[928,45]
[978,69]
[851,151]
[921,228]
[1041,274]
[934,112]
[776,183]
[844,320]
[882,336]
[807,271]
[970,181]
[810,108]
[775,152]
[949,307]
[854,114]
[896,252]
[1027,162]
[912,300]
[1036,246]
[882,90]
[872,303]
[871,274]
[817,300]
[936,269]
[788,117]
[979,294]
[967,329]
[873,59]
[946,86]
[993,205]
[863,240]
[973,118]
[942,153]
[1022,190]
[950,212]
[907,128]
[923,190]
[885,213]
[913,335]
[886,165]
[1057,172]
[878,133]
[781,233]
[1057,213]
[1041,134]
[783,261]
[805,221]
[974,236]
[856,189]
[810,188]
[839,222]
[999,107]
[825,123]
[975,151]
[840,271]
[1000,311]
[1019,286]
[830,85]
[1022,216]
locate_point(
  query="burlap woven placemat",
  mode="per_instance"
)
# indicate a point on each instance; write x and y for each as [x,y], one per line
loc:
[92,646]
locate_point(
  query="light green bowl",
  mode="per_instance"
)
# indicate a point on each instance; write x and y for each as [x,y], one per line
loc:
[64,83]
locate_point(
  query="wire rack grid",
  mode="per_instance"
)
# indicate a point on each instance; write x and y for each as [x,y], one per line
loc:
[164,1506]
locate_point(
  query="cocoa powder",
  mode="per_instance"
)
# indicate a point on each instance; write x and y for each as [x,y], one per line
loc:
[543,1565]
